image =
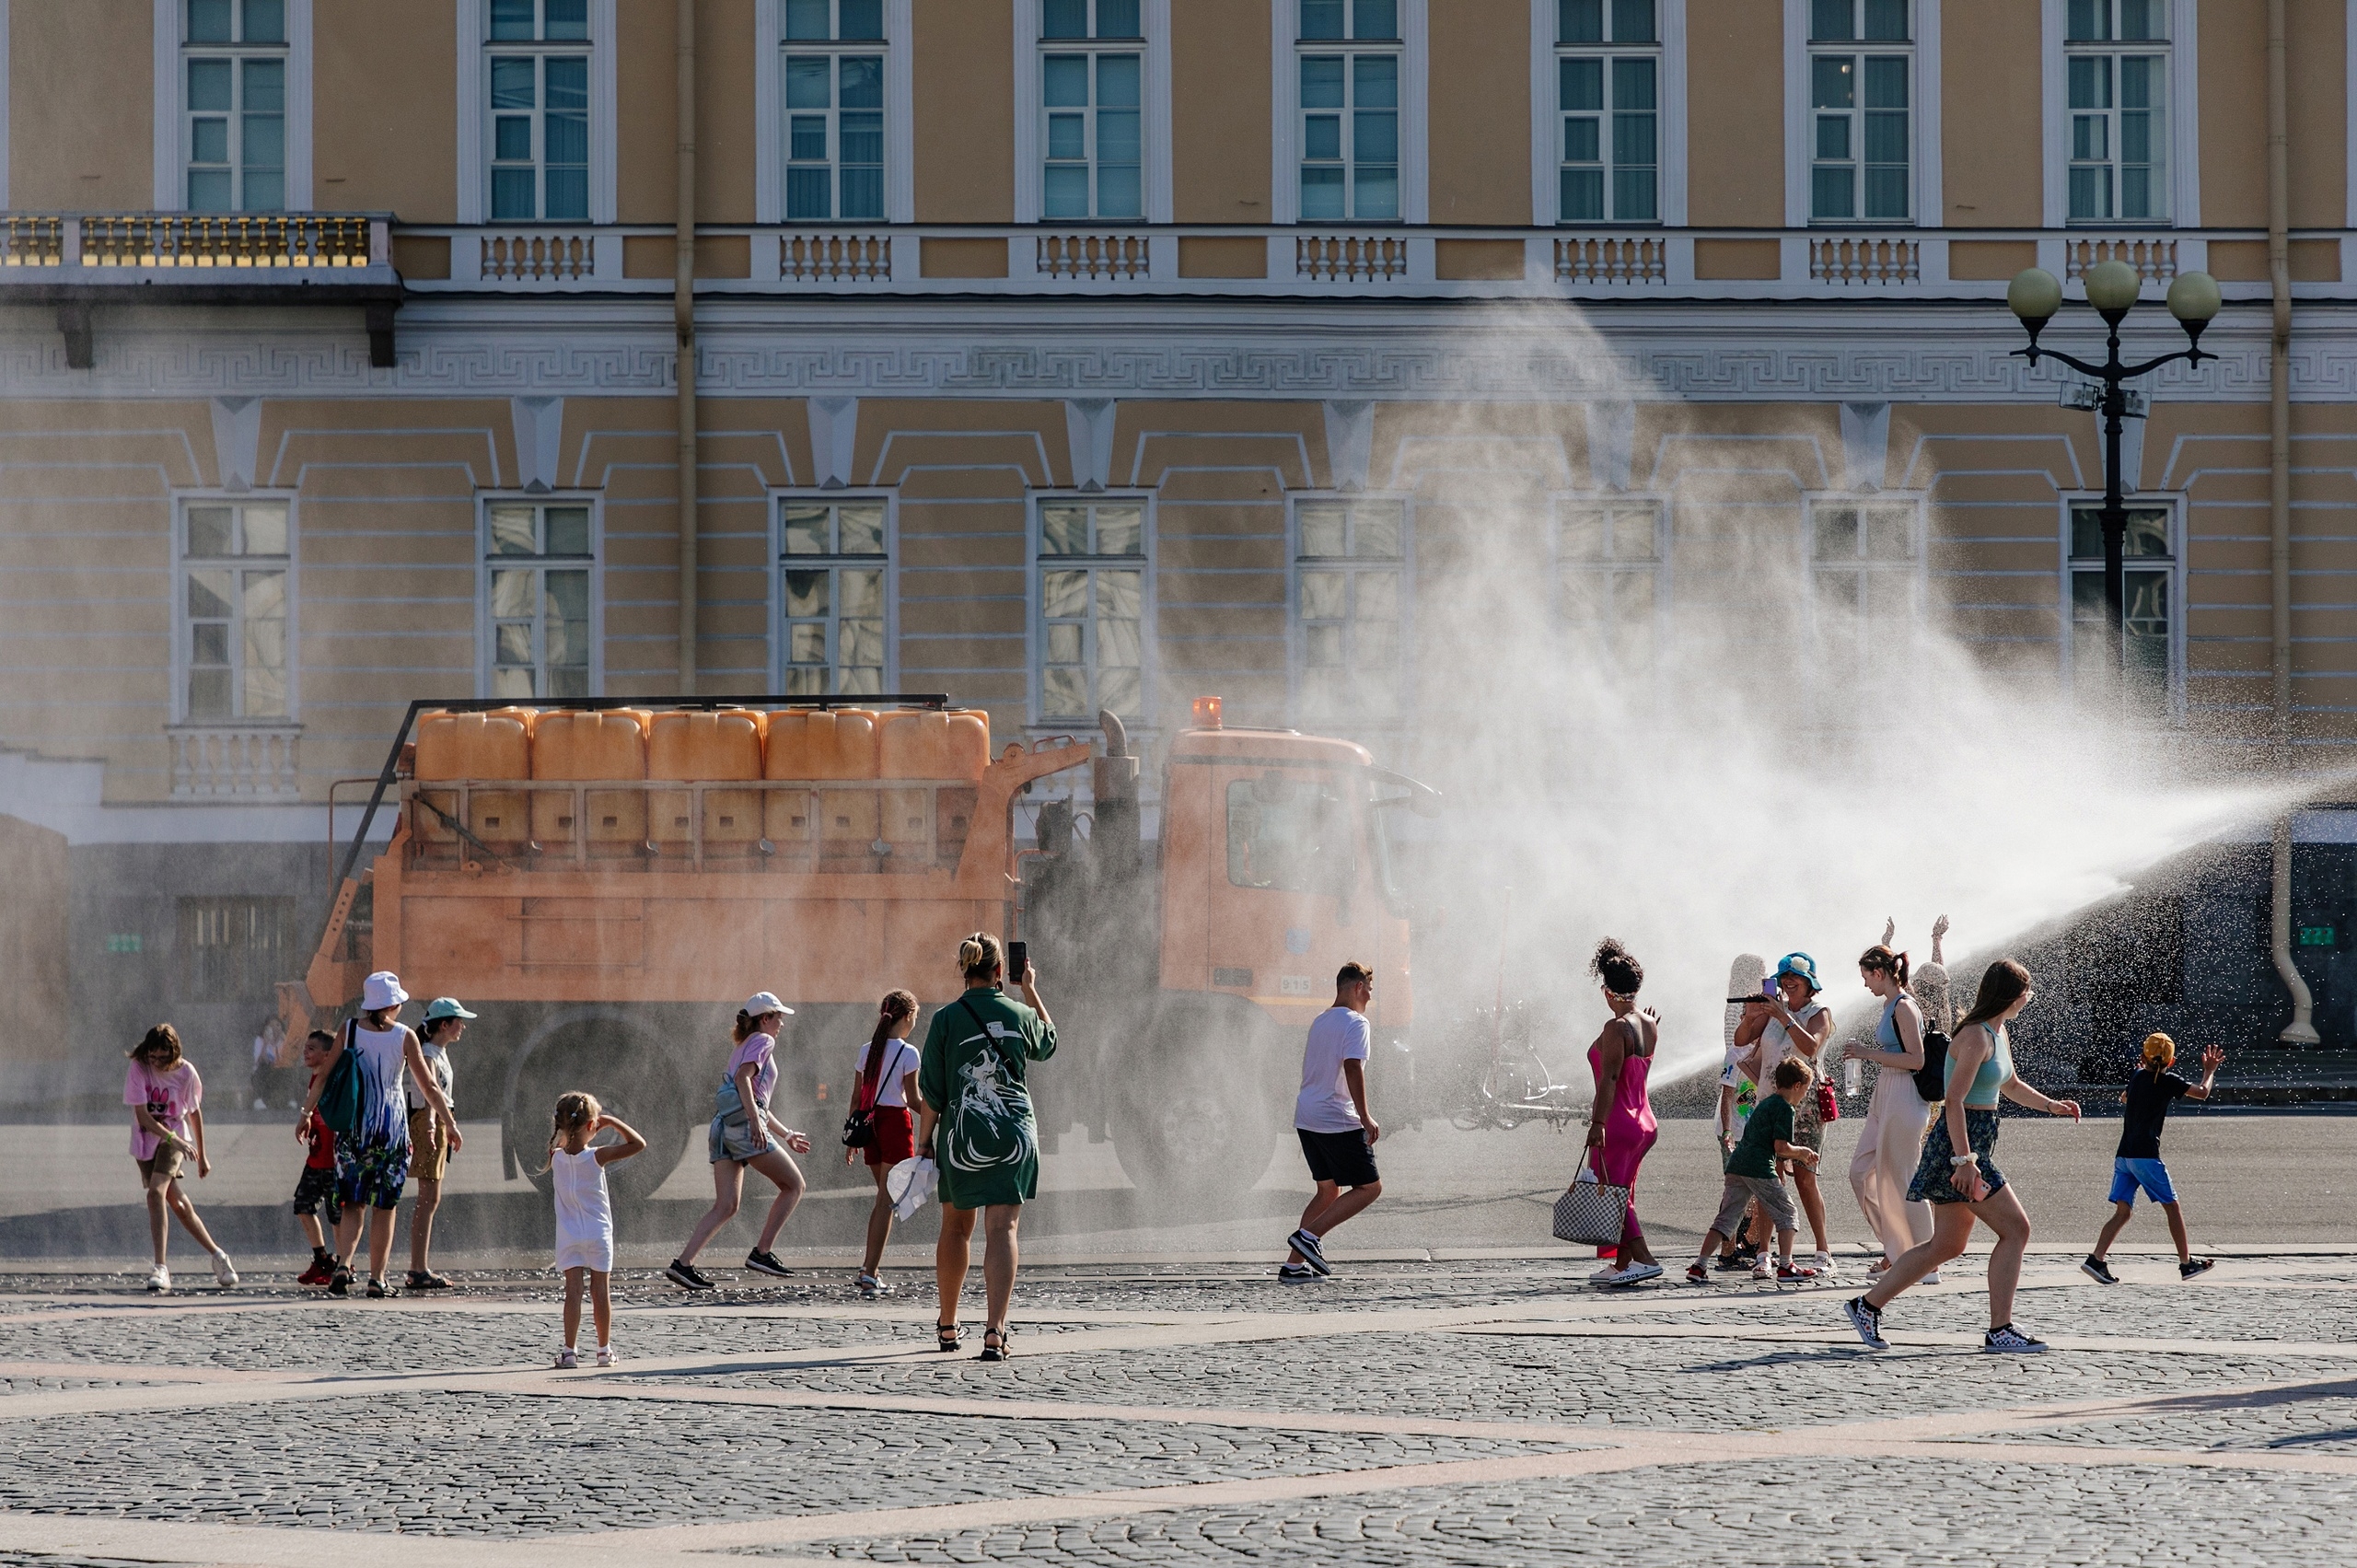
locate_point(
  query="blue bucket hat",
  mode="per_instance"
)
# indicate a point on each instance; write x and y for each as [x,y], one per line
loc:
[1802,965]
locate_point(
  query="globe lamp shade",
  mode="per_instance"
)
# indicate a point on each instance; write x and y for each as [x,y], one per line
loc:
[2112,286]
[2035,295]
[2193,299]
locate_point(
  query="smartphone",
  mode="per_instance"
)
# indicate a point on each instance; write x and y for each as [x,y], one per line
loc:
[1018,961]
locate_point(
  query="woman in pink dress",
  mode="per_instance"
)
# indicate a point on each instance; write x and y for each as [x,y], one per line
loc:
[1620,1125]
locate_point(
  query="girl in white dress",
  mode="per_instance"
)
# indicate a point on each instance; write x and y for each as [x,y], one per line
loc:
[585,1215]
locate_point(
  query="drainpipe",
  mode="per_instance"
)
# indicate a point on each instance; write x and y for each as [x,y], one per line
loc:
[683,314]
[2301,1030]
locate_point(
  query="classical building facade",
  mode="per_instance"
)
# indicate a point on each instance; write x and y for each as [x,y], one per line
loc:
[1068,354]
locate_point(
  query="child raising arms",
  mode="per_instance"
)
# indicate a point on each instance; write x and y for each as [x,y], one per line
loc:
[585,1215]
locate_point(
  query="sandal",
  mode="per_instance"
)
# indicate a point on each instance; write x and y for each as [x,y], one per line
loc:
[947,1337]
[1000,1351]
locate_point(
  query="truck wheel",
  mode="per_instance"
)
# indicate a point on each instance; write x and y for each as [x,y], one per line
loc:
[1201,1119]
[611,1058]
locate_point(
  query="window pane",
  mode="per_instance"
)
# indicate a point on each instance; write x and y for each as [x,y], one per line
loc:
[1322,528]
[1886,137]
[1375,193]
[1832,81]
[514,596]
[859,647]
[2143,19]
[565,19]
[1064,596]
[807,20]
[265,86]
[1579,21]
[1581,535]
[1065,642]
[568,196]
[208,694]
[1064,18]
[264,601]
[1887,191]
[1122,690]
[1321,81]
[1633,140]
[512,532]
[861,19]
[1633,21]
[1119,189]
[568,530]
[1065,193]
[211,593]
[568,618]
[512,19]
[806,643]
[1374,137]
[1582,195]
[861,527]
[2140,81]
[1636,194]
[1632,84]
[2089,21]
[1886,21]
[806,529]
[2091,192]
[806,81]
[2091,81]
[1116,81]
[1120,595]
[863,191]
[1375,81]
[1120,530]
[1832,192]
[568,82]
[208,190]
[1832,19]
[208,85]
[1321,191]
[1889,536]
[208,22]
[807,593]
[1375,529]
[1118,18]
[862,592]
[1374,18]
[1063,694]
[1321,18]
[1064,81]
[1885,81]
[1064,530]
[1837,534]
[208,643]
[512,84]
[1633,536]
[1581,83]
[862,80]
[208,142]
[208,532]
[1322,137]
[265,529]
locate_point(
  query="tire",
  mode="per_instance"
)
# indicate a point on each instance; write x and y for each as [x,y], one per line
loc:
[1198,1123]
[611,1057]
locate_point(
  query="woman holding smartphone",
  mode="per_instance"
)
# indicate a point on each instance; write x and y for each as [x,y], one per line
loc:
[1958,1175]
[978,1125]
[1790,1021]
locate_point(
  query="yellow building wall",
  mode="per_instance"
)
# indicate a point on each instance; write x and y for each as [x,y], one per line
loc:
[1735,113]
[963,67]
[1480,121]
[384,121]
[1988,83]
[1220,108]
[647,84]
[82,106]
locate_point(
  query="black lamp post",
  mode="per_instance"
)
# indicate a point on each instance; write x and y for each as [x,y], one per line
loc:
[2035,295]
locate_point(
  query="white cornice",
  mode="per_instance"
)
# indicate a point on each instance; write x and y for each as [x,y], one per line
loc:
[1384,350]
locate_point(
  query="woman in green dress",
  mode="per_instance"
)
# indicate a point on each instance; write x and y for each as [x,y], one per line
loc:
[977,1124]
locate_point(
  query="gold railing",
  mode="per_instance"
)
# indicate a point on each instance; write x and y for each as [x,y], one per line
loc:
[189,239]
[32,242]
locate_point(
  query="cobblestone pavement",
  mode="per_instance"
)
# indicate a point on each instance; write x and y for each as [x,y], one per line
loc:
[1494,1412]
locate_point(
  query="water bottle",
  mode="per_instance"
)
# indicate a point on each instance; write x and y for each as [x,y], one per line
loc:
[1849,1075]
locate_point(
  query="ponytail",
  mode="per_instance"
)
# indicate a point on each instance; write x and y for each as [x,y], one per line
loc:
[742,1030]
[896,1005]
[1892,964]
[981,956]
[574,1110]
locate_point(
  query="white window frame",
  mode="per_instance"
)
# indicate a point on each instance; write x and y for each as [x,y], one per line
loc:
[1667,52]
[1926,190]
[1860,50]
[1030,113]
[486,631]
[1415,65]
[1035,602]
[1297,639]
[474,112]
[2183,131]
[1914,569]
[2081,501]
[169,180]
[182,562]
[781,651]
[769,117]
[1561,565]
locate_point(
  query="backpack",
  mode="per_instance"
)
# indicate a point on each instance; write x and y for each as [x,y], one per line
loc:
[1931,1078]
[340,1095]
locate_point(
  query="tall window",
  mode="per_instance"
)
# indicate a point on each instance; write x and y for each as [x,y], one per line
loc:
[234,94]
[539,111]
[233,949]
[1861,66]
[1607,75]
[2116,54]
[1609,592]
[1863,567]
[2150,609]
[1350,62]
[833,91]
[1093,98]
[832,557]
[1348,557]
[1092,610]
[538,559]
[233,598]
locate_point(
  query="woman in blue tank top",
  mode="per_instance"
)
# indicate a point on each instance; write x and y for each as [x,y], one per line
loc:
[1963,1187]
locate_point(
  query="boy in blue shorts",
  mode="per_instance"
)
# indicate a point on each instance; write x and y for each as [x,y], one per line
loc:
[2138,1164]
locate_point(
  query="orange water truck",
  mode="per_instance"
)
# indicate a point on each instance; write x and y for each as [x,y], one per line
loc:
[604,882]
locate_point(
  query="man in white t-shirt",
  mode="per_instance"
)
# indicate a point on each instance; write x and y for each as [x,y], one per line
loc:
[1330,1117]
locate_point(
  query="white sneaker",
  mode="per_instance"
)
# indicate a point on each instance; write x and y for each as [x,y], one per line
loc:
[1822,1263]
[605,1355]
[567,1360]
[1604,1275]
[1931,1279]
[159,1278]
[1635,1274]
[225,1273]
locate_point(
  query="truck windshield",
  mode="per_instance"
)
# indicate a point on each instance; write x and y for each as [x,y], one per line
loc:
[1290,833]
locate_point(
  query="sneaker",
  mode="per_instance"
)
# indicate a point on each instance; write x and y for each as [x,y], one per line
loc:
[2194,1266]
[2010,1340]
[1698,1274]
[766,1263]
[376,1290]
[2098,1270]
[1796,1274]
[1866,1318]
[319,1273]
[159,1278]
[566,1359]
[1931,1279]
[340,1281]
[684,1275]
[425,1279]
[225,1273]
[608,1356]
[1763,1272]
[1297,1274]
[1311,1253]
[1604,1275]
[1823,1262]
[1634,1274]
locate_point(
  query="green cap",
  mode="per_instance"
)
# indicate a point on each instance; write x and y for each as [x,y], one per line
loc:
[446,1007]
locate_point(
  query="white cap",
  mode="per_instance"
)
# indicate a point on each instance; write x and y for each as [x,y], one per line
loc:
[382,989]
[766,1001]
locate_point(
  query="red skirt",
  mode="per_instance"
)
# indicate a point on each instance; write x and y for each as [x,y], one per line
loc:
[896,1135]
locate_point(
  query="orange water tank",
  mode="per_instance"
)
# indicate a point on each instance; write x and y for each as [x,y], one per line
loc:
[704,747]
[472,746]
[840,825]
[581,747]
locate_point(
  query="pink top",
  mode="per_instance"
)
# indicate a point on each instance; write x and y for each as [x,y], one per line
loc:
[1630,1114]
[169,1096]
[759,1050]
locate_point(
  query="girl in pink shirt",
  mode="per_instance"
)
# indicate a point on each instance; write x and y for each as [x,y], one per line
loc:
[166,1128]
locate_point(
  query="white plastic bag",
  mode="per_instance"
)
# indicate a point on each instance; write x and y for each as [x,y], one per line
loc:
[910,1183]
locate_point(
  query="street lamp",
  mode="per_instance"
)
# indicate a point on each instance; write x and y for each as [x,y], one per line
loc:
[2035,295]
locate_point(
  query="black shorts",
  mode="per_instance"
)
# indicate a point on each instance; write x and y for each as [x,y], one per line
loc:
[316,1188]
[1343,1158]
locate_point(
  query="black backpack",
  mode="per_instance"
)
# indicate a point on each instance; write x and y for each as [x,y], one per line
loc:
[1931,1078]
